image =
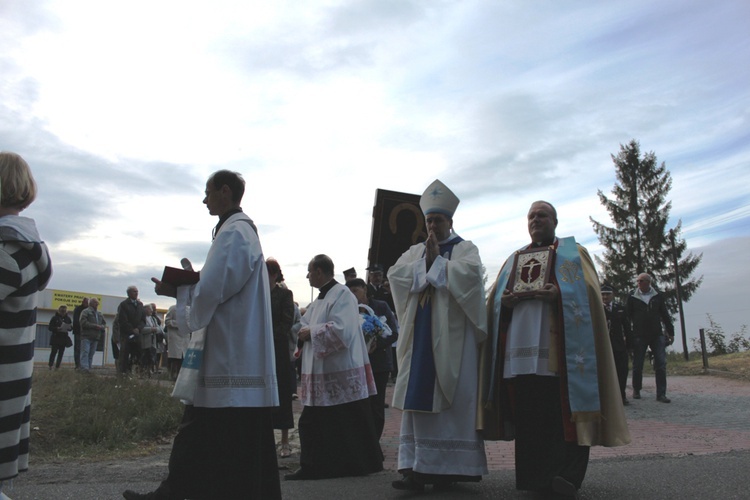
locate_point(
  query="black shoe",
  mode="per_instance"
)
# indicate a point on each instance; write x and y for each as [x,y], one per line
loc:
[564,487]
[132,495]
[636,394]
[408,483]
[296,476]
[663,399]
[625,402]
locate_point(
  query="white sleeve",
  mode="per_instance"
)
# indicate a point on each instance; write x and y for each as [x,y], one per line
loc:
[182,311]
[438,275]
[419,271]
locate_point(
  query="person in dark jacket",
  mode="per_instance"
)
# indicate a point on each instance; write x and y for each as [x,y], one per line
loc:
[652,327]
[381,358]
[130,316]
[379,288]
[282,312]
[59,325]
[619,336]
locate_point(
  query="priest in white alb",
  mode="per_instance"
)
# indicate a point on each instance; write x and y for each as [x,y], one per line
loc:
[225,446]
[336,429]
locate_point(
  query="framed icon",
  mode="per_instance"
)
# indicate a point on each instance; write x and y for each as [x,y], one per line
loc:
[531,271]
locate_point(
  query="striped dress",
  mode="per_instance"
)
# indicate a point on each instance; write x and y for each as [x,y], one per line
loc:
[25,269]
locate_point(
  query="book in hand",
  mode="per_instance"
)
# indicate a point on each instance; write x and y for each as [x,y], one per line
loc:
[179,277]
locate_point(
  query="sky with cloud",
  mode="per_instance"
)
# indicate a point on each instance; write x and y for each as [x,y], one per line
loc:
[123,109]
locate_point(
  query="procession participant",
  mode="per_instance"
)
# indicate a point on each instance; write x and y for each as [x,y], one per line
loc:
[619,336]
[439,297]
[336,430]
[282,313]
[225,447]
[380,349]
[553,385]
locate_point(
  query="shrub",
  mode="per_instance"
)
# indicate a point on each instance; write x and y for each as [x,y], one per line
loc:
[739,342]
[716,343]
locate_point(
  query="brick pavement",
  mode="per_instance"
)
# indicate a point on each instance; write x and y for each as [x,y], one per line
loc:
[708,414]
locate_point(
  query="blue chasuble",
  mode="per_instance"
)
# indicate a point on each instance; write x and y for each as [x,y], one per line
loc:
[421,386]
[580,351]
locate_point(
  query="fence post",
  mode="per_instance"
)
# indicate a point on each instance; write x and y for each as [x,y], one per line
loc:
[703,349]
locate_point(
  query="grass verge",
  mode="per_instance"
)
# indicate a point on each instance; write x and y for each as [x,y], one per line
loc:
[92,417]
[736,364]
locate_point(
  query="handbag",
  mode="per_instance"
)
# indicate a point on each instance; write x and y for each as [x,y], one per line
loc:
[187,379]
[68,342]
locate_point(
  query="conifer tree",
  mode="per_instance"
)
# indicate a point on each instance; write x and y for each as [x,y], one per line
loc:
[639,241]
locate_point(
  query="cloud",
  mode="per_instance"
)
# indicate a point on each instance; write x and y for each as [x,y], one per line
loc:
[319,104]
[722,279]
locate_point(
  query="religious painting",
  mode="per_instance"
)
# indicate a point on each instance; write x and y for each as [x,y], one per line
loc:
[531,271]
[397,224]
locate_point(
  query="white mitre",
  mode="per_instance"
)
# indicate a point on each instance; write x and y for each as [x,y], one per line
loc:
[438,199]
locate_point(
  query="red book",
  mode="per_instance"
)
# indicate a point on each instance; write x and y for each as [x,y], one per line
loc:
[178,277]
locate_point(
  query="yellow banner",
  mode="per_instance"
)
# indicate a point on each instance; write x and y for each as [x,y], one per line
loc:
[70,299]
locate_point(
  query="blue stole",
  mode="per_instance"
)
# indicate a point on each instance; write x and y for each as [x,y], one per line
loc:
[580,351]
[420,388]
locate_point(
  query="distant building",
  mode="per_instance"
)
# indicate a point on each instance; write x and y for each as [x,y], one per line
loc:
[50,300]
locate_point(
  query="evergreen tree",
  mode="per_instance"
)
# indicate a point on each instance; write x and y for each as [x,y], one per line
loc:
[639,241]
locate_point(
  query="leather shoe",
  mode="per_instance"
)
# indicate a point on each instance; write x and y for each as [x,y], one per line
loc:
[636,394]
[564,488]
[296,476]
[625,401]
[663,399]
[408,483]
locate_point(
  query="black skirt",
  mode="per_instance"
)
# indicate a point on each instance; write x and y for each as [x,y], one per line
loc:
[339,441]
[283,417]
[541,450]
[226,453]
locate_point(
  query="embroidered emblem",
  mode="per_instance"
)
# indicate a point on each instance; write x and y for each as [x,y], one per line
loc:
[435,193]
[580,361]
[569,271]
[577,313]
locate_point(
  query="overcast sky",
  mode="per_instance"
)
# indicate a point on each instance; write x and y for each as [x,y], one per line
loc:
[123,109]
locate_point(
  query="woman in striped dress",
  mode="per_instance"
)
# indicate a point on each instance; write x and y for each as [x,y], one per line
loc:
[25,270]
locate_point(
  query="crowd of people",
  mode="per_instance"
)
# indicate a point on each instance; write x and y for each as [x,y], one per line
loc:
[541,360]
[139,337]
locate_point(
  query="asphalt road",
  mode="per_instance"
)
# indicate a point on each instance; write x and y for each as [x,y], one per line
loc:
[697,447]
[715,476]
